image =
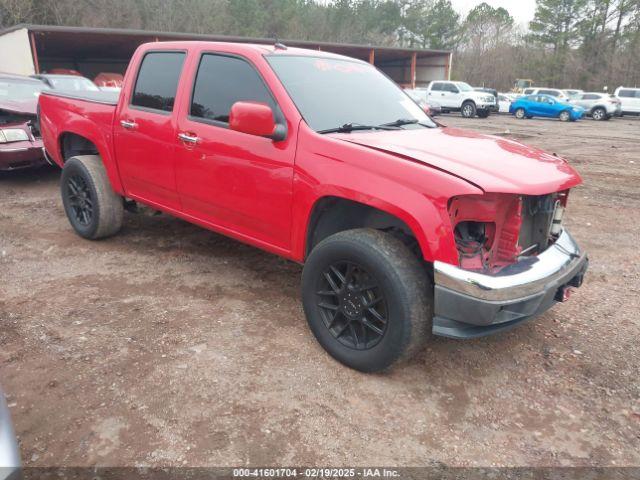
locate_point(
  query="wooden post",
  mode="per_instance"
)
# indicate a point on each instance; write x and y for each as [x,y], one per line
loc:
[372,56]
[447,70]
[414,60]
[34,52]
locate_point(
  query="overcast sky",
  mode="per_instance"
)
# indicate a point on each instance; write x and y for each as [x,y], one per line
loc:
[521,10]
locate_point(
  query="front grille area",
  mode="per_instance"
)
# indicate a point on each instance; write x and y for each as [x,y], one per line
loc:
[537,215]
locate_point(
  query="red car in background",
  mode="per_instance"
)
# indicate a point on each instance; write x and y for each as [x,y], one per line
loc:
[64,71]
[108,81]
[20,140]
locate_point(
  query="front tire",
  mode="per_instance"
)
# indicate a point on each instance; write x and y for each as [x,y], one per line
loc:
[367,299]
[565,116]
[468,109]
[92,207]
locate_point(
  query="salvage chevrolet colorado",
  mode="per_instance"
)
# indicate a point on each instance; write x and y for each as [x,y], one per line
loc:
[403,226]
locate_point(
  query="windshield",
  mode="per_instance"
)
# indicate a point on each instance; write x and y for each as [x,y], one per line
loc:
[73,84]
[464,87]
[330,93]
[17,90]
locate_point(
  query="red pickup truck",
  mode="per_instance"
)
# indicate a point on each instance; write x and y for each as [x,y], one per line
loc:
[403,226]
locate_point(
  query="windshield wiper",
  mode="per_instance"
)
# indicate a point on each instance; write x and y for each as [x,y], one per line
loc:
[404,121]
[350,127]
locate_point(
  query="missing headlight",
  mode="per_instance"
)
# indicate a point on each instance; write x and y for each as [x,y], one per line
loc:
[472,237]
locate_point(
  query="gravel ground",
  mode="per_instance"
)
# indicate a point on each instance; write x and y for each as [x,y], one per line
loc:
[169,345]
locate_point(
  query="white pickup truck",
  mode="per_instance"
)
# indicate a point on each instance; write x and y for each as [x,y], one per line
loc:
[461,97]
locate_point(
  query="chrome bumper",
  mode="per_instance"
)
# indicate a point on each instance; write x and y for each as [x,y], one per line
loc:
[470,304]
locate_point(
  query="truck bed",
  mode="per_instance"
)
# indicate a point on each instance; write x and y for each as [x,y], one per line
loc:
[107,98]
[89,115]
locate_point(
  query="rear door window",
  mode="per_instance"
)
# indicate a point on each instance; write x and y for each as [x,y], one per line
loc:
[157,81]
[222,81]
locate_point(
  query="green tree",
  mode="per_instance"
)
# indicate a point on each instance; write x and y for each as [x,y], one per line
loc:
[432,24]
[486,27]
[556,26]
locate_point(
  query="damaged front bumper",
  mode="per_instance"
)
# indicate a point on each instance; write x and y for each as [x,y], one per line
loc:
[471,304]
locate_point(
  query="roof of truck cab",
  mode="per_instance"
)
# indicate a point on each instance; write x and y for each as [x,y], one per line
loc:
[248,47]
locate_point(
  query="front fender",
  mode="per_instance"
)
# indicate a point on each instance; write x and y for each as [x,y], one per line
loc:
[415,193]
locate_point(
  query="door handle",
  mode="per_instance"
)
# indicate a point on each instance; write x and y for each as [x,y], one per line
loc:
[189,138]
[129,124]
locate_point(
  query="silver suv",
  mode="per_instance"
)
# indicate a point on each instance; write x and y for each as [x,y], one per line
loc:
[600,106]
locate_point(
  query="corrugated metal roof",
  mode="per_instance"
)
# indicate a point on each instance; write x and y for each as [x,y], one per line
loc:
[145,35]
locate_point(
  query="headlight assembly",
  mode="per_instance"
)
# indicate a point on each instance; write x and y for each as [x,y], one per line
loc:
[13,135]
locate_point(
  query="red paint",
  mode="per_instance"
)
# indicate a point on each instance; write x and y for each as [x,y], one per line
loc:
[263,192]
[252,118]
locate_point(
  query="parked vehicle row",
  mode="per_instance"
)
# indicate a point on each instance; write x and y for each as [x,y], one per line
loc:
[567,104]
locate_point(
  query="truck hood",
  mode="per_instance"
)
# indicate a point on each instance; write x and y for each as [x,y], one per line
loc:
[21,107]
[493,163]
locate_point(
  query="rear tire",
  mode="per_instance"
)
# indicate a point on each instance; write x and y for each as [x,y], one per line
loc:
[565,116]
[92,207]
[520,113]
[468,109]
[367,329]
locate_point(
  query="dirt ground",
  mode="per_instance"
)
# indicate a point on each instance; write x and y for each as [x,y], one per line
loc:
[169,345]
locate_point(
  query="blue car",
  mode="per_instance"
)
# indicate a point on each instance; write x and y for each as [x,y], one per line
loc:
[545,106]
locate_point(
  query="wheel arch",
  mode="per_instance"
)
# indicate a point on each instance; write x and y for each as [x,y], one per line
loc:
[71,144]
[332,214]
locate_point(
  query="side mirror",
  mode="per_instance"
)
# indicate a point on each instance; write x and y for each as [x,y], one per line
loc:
[255,119]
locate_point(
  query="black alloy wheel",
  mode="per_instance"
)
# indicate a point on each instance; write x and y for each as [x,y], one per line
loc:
[352,305]
[80,200]
[367,298]
[94,210]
